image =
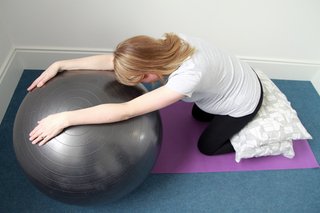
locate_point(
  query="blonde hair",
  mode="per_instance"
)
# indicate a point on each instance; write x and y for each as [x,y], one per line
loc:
[140,55]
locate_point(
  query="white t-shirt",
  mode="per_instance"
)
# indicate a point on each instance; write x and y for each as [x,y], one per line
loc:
[216,81]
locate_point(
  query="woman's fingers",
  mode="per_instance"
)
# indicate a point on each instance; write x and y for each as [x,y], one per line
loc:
[39,136]
[33,85]
[48,128]
[37,140]
[44,77]
[44,140]
[35,132]
[39,82]
[41,140]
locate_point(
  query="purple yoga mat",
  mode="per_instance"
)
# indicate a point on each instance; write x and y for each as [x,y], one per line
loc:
[179,153]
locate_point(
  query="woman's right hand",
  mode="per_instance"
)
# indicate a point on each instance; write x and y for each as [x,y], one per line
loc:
[49,73]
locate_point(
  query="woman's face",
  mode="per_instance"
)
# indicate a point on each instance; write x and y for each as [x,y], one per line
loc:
[150,78]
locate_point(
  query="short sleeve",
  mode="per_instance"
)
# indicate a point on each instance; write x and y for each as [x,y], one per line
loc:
[184,80]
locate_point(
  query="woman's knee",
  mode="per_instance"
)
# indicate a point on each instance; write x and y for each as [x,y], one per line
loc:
[213,149]
[205,149]
[208,146]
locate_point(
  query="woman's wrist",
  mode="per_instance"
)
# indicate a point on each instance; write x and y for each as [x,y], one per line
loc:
[58,66]
[67,118]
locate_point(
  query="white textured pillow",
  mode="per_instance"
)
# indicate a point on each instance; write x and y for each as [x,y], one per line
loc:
[274,127]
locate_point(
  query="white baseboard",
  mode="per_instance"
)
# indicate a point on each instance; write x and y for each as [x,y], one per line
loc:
[23,58]
[288,70]
[285,69]
[10,75]
[316,82]
[40,58]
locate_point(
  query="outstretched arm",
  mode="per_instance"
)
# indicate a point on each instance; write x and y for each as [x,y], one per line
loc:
[97,62]
[52,125]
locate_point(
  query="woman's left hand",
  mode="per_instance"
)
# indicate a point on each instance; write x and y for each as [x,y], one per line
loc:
[48,128]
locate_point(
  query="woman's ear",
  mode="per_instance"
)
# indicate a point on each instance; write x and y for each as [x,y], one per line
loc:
[150,77]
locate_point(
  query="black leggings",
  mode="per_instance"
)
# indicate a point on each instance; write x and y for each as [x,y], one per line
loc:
[215,139]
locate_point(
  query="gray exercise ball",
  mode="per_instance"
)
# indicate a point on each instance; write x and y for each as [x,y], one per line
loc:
[89,163]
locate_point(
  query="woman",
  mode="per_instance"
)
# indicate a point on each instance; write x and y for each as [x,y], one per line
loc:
[227,93]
